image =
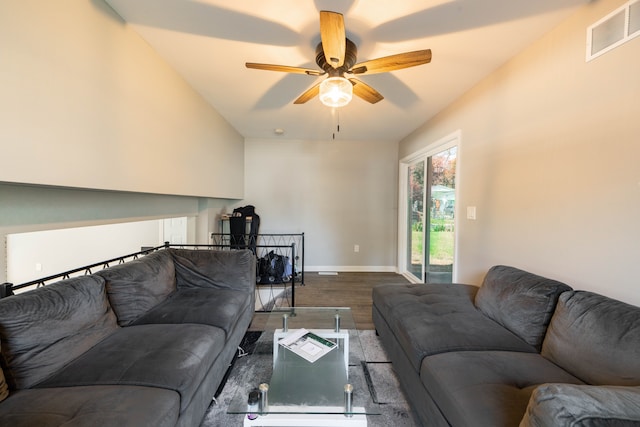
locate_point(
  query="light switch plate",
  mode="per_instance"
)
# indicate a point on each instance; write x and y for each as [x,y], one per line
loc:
[471,212]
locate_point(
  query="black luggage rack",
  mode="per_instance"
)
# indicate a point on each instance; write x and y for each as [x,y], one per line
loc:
[261,244]
[290,246]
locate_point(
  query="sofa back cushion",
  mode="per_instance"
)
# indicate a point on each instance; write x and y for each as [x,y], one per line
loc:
[45,329]
[558,405]
[595,338]
[137,286]
[215,269]
[4,388]
[520,301]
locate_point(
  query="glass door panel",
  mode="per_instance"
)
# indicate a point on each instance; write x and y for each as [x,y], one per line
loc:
[415,220]
[441,181]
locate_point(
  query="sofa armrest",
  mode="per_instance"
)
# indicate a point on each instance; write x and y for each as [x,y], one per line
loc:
[215,269]
[556,405]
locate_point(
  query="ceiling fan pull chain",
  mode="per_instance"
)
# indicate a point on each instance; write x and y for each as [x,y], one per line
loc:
[335,114]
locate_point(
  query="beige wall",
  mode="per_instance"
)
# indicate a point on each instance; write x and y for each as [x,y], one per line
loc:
[551,158]
[339,193]
[86,103]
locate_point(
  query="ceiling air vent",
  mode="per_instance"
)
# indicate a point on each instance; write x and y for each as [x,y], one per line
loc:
[616,28]
[634,19]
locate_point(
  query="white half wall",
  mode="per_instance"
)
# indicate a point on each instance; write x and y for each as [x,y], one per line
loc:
[39,254]
[25,208]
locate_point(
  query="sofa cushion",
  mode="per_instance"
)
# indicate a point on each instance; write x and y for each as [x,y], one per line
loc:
[436,318]
[174,357]
[561,405]
[520,301]
[215,307]
[43,330]
[215,269]
[137,286]
[4,388]
[104,406]
[595,338]
[487,388]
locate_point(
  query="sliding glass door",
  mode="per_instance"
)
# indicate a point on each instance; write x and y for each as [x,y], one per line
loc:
[428,222]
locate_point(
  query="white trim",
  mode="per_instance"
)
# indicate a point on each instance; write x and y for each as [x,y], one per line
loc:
[410,277]
[625,37]
[436,147]
[403,170]
[284,419]
[454,139]
[351,268]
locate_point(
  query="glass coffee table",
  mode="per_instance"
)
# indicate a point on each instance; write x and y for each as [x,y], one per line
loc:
[301,393]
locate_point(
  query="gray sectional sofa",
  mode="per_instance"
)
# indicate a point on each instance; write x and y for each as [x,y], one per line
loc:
[521,350]
[144,343]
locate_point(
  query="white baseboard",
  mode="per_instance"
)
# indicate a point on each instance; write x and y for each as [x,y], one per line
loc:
[350,268]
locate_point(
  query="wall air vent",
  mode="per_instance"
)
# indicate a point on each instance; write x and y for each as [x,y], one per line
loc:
[616,28]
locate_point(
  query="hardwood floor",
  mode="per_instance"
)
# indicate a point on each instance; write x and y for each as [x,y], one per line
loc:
[341,290]
[344,290]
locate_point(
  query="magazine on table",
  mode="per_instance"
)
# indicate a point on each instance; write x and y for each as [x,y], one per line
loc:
[307,344]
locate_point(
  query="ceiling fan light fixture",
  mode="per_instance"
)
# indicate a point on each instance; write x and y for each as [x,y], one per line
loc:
[336,92]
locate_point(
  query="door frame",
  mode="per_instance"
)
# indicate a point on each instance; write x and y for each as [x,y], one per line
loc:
[451,140]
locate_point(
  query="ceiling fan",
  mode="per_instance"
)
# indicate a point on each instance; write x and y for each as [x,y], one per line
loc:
[336,56]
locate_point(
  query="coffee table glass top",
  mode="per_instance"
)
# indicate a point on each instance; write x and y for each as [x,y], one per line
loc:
[297,386]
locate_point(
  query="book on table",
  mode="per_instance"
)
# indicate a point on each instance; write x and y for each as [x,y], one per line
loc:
[307,345]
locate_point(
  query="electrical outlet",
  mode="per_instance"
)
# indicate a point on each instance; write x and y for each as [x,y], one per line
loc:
[38,266]
[356,248]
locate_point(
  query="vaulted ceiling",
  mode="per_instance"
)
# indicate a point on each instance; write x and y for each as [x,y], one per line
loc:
[209,41]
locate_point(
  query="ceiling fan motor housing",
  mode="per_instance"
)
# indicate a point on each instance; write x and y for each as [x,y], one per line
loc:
[351,55]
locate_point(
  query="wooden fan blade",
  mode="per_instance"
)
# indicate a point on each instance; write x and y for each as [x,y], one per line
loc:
[284,68]
[393,62]
[310,93]
[334,38]
[365,91]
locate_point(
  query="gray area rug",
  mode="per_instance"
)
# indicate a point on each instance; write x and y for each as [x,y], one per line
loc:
[371,374]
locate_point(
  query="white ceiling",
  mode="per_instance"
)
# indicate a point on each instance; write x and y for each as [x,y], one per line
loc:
[209,41]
